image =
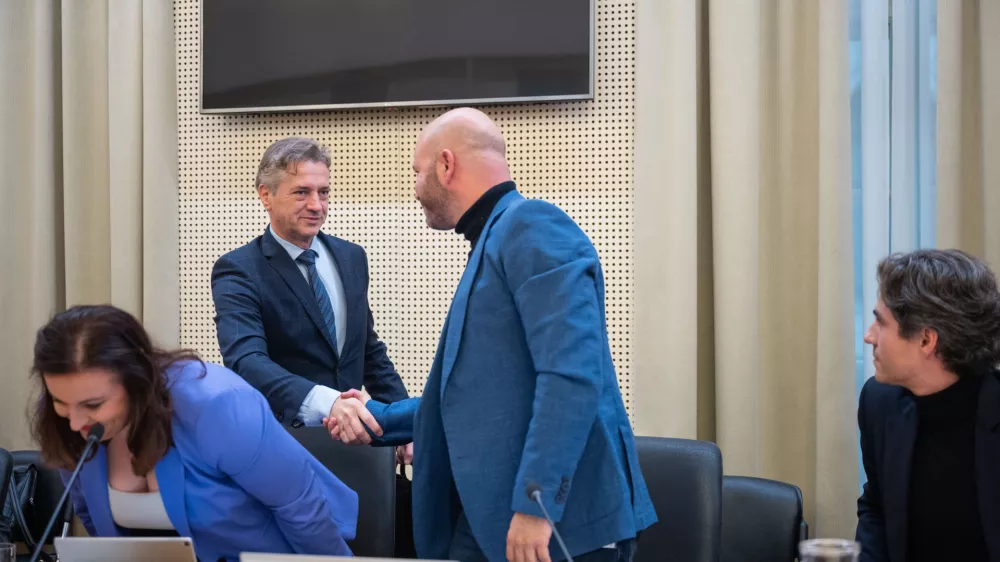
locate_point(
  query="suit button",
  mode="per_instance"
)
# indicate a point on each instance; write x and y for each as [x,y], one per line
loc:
[280,416]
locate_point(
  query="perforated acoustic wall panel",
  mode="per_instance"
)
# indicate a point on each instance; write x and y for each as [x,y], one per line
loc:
[576,155]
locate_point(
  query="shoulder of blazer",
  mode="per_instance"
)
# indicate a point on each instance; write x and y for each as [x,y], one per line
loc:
[251,250]
[989,400]
[536,221]
[194,385]
[524,213]
[878,400]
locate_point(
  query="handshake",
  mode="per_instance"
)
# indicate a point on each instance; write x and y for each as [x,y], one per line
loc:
[350,422]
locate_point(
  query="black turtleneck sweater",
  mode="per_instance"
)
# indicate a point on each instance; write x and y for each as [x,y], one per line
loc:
[944,522]
[474,220]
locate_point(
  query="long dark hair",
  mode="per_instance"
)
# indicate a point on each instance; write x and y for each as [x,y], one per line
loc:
[105,337]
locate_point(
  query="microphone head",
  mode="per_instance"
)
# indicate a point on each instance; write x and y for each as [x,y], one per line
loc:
[96,432]
[532,489]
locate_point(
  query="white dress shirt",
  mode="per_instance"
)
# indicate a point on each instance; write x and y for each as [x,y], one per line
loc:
[320,399]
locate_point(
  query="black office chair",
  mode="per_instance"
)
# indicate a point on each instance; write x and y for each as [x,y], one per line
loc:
[48,489]
[369,471]
[684,479]
[6,467]
[761,520]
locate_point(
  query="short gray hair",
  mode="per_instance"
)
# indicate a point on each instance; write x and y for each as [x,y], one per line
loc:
[285,153]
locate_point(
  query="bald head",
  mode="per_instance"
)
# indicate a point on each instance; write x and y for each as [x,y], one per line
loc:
[465,131]
[458,157]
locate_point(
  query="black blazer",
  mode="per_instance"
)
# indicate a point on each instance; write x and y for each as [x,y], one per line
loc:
[887,417]
[269,326]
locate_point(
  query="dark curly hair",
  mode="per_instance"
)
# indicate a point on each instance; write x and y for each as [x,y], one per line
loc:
[105,337]
[952,293]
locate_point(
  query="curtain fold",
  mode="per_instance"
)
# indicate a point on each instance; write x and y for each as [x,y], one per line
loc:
[743,241]
[86,156]
[89,149]
[968,125]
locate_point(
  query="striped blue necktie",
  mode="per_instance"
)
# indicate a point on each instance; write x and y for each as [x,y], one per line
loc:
[308,257]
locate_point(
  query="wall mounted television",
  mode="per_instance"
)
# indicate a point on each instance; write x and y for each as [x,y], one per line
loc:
[308,55]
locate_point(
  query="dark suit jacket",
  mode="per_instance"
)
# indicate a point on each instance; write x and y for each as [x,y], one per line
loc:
[887,417]
[268,325]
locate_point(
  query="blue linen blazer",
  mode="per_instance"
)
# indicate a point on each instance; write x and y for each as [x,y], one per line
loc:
[522,390]
[234,479]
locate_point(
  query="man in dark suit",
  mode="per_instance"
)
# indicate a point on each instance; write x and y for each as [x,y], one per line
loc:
[292,310]
[522,394]
[930,418]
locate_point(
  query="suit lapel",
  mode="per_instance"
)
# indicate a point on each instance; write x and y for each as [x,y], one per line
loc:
[170,477]
[286,268]
[460,303]
[351,289]
[901,432]
[94,481]
[988,460]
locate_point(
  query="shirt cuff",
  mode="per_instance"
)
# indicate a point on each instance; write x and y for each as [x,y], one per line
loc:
[317,405]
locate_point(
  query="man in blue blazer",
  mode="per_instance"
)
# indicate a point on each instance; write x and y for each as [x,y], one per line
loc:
[930,418]
[522,393]
[292,310]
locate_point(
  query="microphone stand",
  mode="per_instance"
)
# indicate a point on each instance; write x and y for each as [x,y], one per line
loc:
[535,493]
[93,437]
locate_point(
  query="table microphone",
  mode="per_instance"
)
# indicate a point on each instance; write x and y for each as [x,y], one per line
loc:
[535,494]
[93,437]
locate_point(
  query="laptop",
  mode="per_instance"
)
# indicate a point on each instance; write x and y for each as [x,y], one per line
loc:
[261,557]
[124,549]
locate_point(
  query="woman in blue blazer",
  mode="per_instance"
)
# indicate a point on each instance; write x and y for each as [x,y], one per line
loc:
[189,448]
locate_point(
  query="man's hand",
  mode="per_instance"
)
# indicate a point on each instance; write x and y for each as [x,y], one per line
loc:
[404,454]
[528,539]
[348,418]
[360,394]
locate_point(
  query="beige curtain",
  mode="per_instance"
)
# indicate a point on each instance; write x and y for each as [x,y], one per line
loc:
[968,125]
[88,151]
[743,266]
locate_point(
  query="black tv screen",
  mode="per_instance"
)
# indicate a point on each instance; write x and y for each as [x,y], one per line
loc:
[296,55]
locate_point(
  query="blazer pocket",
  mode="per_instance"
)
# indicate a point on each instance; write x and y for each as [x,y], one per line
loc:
[596,490]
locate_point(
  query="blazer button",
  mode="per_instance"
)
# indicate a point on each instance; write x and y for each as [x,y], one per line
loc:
[280,416]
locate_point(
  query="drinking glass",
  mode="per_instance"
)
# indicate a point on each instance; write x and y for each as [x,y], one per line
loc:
[8,552]
[829,550]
